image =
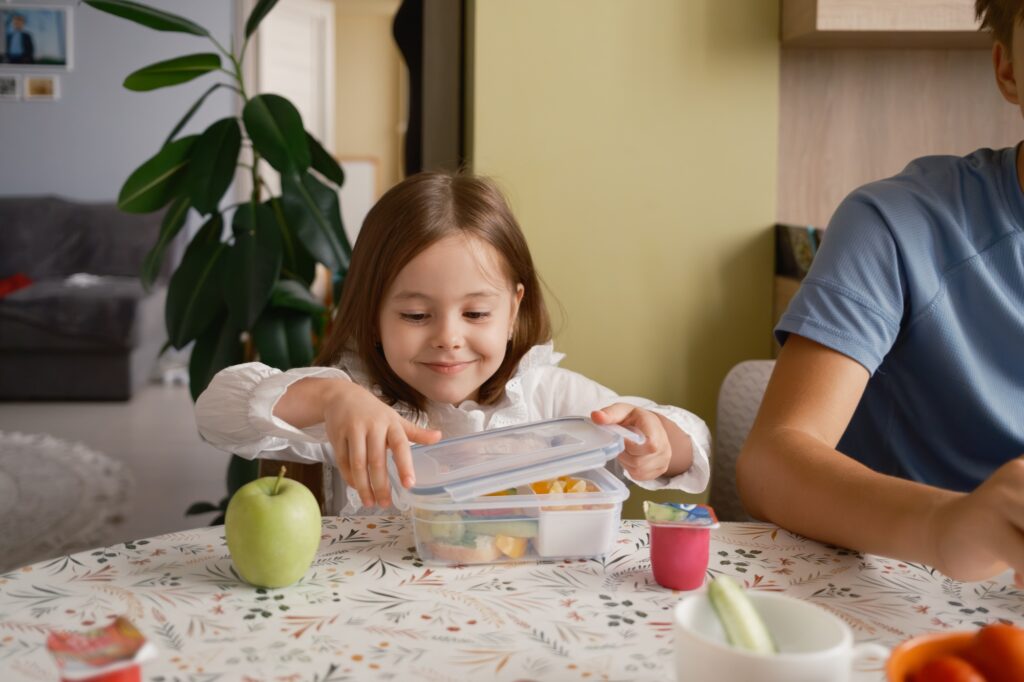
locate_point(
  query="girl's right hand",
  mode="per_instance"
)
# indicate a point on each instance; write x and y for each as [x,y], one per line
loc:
[361,429]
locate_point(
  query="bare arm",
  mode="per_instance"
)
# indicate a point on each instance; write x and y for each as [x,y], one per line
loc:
[789,471]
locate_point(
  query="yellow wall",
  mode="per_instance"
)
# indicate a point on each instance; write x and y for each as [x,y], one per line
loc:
[637,142]
[369,79]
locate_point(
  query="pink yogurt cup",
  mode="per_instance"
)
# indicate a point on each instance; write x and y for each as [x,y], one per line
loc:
[680,547]
[679,555]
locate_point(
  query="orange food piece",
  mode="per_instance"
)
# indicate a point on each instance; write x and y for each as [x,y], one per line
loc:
[948,668]
[511,547]
[998,652]
[563,484]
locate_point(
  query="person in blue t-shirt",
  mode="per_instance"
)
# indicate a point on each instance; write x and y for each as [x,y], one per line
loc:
[20,48]
[894,420]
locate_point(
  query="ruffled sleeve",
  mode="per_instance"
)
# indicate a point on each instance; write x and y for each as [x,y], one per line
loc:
[235,413]
[552,391]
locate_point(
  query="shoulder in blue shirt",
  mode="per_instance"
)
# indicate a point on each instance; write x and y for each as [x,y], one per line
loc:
[920,278]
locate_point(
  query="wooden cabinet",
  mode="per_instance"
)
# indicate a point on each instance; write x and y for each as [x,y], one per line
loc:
[881,23]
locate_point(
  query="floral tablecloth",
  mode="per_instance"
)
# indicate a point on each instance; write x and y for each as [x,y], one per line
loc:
[369,609]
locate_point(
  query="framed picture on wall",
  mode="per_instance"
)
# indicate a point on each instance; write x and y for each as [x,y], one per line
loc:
[10,86]
[35,36]
[42,87]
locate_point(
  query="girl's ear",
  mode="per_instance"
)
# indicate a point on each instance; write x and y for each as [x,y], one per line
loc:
[1002,60]
[517,298]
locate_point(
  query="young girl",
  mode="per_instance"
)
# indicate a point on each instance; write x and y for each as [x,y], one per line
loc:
[441,331]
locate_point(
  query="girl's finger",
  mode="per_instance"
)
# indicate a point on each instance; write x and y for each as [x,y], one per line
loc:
[418,434]
[377,465]
[341,458]
[360,477]
[613,414]
[402,454]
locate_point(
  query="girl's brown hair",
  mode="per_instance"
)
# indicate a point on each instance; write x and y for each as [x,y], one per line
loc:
[414,214]
[999,16]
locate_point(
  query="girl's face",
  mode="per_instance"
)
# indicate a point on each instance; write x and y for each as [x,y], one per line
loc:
[446,319]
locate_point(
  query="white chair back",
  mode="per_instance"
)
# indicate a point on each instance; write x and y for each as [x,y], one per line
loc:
[738,401]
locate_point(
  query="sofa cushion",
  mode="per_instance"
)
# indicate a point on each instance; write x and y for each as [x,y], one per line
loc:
[52,315]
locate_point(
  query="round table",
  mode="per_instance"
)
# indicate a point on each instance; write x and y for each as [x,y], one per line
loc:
[369,609]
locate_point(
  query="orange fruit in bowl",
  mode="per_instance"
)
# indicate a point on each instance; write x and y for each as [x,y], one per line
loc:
[994,653]
[998,652]
[908,658]
[948,668]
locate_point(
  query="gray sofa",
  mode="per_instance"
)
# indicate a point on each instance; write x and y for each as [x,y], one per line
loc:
[95,337]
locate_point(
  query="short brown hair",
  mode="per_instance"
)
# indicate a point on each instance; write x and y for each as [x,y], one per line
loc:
[999,16]
[414,214]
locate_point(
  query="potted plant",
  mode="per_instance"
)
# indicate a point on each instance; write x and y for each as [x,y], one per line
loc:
[242,288]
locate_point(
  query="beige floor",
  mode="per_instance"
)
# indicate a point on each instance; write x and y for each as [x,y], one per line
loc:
[154,435]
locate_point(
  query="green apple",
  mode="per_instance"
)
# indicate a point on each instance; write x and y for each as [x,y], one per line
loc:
[272,526]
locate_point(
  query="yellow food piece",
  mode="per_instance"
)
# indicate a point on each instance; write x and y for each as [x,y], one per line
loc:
[580,486]
[511,547]
[563,484]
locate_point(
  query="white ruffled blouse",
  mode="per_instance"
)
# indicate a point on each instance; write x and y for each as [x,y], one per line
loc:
[236,414]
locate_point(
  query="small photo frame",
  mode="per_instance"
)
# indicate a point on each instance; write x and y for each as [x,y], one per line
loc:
[10,86]
[42,87]
[35,36]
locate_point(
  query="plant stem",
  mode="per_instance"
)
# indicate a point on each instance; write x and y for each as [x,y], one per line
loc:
[277,484]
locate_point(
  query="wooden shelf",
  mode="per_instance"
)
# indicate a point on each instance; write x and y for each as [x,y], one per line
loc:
[881,23]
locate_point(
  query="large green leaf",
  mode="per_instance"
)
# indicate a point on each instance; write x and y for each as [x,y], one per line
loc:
[284,339]
[192,110]
[158,179]
[194,297]
[219,346]
[312,209]
[212,165]
[297,261]
[240,472]
[173,221]
[275,128]
[324,163]
[261,10]
[253,264]
[290,294]
[148,16]
[172,72]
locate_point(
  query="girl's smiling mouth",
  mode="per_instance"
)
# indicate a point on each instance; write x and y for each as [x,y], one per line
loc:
[447,367]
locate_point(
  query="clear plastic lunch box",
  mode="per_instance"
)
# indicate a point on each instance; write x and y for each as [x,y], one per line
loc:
[481,498]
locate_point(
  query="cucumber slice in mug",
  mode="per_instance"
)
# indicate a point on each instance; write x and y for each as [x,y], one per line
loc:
[743,625]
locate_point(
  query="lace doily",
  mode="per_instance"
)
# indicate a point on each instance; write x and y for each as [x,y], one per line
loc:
[56,498]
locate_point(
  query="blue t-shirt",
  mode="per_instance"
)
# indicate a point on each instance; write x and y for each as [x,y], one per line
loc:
[920,278]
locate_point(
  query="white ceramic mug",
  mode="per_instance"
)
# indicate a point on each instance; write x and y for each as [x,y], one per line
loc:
[814,645]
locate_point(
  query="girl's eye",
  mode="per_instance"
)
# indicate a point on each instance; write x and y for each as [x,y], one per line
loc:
[477,315]
[413,317]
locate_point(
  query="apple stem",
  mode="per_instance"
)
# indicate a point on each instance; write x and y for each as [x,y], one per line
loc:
[277,484]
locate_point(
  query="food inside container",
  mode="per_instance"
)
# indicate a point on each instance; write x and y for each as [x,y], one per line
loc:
[523,505]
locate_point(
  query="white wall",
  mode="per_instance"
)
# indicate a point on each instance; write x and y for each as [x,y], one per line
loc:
[84,145]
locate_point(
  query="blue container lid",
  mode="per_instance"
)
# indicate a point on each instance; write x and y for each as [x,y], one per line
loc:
[470,466]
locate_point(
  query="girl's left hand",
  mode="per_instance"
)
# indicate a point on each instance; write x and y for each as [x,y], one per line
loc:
[651,458]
